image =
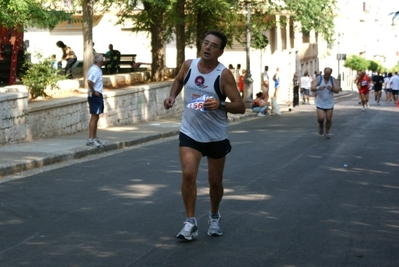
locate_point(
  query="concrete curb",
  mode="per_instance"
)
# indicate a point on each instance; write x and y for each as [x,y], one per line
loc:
[15,165]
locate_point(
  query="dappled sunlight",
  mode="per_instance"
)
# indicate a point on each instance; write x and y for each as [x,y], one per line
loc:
[247,197]
[240,132]
[396,226]
[135,191]
[230,195]
[346,170]
[390,164]
[357,170]
[122,129]
[11,222]
[362,224]
[390,186]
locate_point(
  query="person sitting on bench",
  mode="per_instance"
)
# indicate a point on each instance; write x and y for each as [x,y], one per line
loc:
[113,59]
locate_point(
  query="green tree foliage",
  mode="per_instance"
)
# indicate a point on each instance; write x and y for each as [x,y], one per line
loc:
[356,63]
[40,77]
[375,66]
[36,13]
[317,15]
[156,20]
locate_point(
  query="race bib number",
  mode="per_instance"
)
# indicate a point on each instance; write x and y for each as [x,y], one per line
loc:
[198,103]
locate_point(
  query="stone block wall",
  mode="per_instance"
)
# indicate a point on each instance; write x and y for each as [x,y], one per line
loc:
[21,120]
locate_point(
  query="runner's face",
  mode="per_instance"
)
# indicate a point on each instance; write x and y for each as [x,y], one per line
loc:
[327,73]
[211,47]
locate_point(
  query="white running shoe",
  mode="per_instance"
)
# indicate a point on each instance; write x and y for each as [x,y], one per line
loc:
[98,141]
[215,227]
[188,232]
[93,142]
[261,114]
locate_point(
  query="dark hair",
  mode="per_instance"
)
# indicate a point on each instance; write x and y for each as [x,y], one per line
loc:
[60,44]
[221,36]
[259,94]
[328,68]
[306,73]
[266,68]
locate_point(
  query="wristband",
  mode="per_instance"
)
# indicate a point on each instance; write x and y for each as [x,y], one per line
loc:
[317,88]
[222,105]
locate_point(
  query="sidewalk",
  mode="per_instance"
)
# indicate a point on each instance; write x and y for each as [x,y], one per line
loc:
[16,158]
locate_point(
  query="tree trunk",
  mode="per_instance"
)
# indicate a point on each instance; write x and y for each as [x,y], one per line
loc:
[87,38]
[180,34]
[201,29]
[157,29]
[158,53]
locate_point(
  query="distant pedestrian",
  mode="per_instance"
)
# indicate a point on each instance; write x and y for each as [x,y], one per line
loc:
[232,69]
[364,83]
[395,87]
[204,127]
[325,100]
[95,99]
[265,83]
[69,56]
[378,81]
[295,83]
[305,87]
[388,88]
[276,79]
[238,72]
[241,82]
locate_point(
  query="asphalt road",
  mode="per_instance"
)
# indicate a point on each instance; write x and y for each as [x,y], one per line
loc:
[291,198]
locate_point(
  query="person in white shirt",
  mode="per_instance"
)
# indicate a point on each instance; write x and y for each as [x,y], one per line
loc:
[265,84]
[95,99]
[305,87]
[395,87]
[387,87]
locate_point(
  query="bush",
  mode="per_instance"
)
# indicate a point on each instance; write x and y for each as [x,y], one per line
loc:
[40,76]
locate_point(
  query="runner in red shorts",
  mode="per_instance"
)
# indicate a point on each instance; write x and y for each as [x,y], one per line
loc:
[365,83]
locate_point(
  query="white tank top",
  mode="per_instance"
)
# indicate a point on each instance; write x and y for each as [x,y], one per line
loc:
[210,126]
[325,97]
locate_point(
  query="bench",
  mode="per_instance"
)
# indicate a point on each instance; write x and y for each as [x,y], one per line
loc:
[141,66]
[119,63]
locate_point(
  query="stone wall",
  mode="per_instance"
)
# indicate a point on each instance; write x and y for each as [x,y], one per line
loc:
[22,120]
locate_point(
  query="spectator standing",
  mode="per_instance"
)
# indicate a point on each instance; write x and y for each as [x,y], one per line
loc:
[305,87]
[295,84]
[237,73]
[204,128]
[395,87]
[387,86]
[94,51]
[241,82]
[95,99]
[265,83]
[69,56]
[232,69]
[325,101]
[276,79]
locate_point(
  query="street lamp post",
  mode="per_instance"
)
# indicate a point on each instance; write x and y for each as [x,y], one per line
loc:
[339,57]
[248,81]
